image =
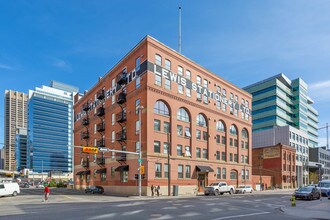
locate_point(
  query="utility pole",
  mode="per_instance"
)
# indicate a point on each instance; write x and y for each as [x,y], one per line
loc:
[179,29]
[140,150]
[168,163]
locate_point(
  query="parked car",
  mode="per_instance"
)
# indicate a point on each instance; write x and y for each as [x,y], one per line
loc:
[94,189]
[324,185]
[7,189]
[307,192]
[40,186]
[244,189]
[218,188]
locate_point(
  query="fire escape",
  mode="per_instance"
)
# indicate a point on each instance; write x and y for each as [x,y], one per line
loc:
[85,134]
[121,116]
[100,127]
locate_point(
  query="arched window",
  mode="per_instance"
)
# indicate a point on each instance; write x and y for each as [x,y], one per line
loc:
[183,115]
[245,134]
[220,126]
[233,130]
[233,175]
[161,108]
[200,120]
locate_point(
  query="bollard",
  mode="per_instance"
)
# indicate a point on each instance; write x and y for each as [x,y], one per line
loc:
[293,201]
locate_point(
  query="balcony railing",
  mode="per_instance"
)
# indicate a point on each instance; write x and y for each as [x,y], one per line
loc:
[100,111]
[121,136]
[100,127]
[121,117]
[122,78]
[85,107]
[101,143]
[121,98]
[84,135]
[100,94]
[121,157]
[85,121]
[100,161]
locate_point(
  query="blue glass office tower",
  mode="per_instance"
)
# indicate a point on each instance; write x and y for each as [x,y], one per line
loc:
[50,128]
[21,149]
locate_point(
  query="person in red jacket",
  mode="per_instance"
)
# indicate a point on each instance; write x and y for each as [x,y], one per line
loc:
[46,192]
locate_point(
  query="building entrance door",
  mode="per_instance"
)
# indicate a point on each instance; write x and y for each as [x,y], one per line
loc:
[202,181]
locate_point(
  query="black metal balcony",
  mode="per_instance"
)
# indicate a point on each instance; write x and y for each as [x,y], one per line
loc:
[100,111]
[121,157]
[121,136]
[85,121]
[101,143]
[122,78]
[84,134]
[121,116]
[85,163]
[121,98]
[100,161]
[100,127]
[100,94]
[85,107]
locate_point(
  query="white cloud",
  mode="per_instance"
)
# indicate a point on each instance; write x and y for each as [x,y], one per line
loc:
[62,65]
[320,91]
[6,67]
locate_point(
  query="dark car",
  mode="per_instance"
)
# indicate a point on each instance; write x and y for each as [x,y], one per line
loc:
[94,189]
[307,193]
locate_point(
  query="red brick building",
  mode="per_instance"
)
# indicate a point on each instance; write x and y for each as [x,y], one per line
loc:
[199,118]
[278,161]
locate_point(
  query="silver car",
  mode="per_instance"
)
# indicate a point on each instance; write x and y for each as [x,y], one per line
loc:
[244,189]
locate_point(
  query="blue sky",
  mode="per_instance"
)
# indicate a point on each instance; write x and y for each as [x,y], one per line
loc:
[242,41]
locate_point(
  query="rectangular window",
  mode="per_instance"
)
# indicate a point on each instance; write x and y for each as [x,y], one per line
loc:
[199,97]
[156,146]
[158,80]
[188,74]
[112,136]
[198,152]
[243,174]
[165,170]
[179,150]
[158,60]
[180,71]
[198,134]
[205,99]
[247,176]
[231,142]
[156,125]
[235,158]
[167,64]
[166,148]
[137,106]
[112,119]
[137,64]
[180,171]
[206,83]
[188,92]
[218,173]
[231,157]
[246,159]
[166,126]
[205,136]
[235,143]
[242,144]
[179,129]
[223,156]
[205,153]
[124,177]
[158,170]
[88,178]
[224,173]
[187,132]
[223,140]
[218,155]
[198,80]
[217,139]
[113,82]
[113,99]
[188,171]
[103,177]
[246,145]
[113,170]
[242,158]
[180,89]
[167,84]
[137,82]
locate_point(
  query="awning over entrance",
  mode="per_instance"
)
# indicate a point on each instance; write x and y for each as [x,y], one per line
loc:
[104,170]
[204,169]
[80,172]
[122,168]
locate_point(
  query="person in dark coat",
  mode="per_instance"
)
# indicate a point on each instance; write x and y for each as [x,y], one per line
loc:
[157,190]
[152,190]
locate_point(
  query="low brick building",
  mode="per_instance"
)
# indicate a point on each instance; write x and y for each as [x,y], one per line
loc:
[278,161]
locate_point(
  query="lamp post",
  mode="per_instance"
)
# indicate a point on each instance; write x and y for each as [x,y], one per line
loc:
[168,164]
[140,150]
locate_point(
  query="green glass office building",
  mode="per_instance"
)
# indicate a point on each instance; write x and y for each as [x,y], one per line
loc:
[279,101]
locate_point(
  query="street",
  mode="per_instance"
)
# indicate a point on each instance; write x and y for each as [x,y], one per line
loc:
[73,204]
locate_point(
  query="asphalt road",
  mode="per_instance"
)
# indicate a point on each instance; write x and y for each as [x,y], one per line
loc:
[72,204]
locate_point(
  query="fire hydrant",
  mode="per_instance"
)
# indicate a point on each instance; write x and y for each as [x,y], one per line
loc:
[293,201]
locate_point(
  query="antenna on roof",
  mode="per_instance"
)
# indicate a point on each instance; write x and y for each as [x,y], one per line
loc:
[179,29]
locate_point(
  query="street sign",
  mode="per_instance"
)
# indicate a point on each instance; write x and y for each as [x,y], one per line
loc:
[140,160]
[90,150]
[102,149]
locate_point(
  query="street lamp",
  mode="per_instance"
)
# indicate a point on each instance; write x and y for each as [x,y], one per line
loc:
[140,150]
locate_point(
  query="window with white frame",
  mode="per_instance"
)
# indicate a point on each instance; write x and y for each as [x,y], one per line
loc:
[188,92]
[158,60]
[206,83]
[187,151]
[188,171]
[137,64]
[198,80]
[180,171]
[167,64]
[113,136]
[187,132]
[112,119]
[124,176]
[158,170]
[188,74]
[180,70]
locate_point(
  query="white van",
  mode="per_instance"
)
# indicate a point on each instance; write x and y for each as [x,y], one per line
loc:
[324,185]
[7,189]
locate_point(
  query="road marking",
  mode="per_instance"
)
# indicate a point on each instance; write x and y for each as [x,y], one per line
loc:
[190,214]
[164,217]
[238,216]
[170,208]
[132,212]
[68,197]
[106,216]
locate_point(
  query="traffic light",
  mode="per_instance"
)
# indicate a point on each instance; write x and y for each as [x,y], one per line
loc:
[141,169]
[90,150]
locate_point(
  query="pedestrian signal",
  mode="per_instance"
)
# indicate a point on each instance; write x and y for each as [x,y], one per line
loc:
[141,169]
[90,150]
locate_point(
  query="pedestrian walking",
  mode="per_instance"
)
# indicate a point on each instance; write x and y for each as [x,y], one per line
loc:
[152,190]
[157,190]
[46,192]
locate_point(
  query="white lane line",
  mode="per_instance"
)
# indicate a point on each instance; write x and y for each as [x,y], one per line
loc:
[105,216]
[132,212]
[190,214]
[238,216]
